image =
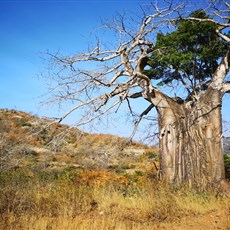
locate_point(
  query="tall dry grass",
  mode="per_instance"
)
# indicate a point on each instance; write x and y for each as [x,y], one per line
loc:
[96,200]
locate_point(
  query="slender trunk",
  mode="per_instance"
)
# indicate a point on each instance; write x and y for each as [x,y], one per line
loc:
[191,141]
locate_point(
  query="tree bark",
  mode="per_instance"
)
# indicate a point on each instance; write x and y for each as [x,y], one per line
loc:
[190,137]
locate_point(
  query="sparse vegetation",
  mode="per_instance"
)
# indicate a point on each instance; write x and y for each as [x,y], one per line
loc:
[71,187]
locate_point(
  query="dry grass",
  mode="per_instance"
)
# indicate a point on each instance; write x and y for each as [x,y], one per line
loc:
[41,187]
[97,200]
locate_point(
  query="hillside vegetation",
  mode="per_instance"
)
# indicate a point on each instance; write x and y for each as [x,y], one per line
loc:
[27,141]
[56,177]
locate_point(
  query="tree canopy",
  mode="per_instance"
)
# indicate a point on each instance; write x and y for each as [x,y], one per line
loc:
[190,54]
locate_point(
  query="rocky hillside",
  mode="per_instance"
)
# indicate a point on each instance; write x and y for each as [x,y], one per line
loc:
[29,141]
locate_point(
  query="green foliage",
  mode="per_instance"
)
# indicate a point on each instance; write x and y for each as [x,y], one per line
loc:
[190,52]
[227,160]
[152,155]
[227,166]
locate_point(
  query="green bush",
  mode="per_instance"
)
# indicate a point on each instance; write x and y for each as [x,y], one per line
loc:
[227,160]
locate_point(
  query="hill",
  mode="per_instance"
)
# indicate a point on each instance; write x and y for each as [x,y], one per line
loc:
[29,141]
[226,145]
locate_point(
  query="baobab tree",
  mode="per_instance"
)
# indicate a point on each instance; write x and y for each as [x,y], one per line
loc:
[144,57]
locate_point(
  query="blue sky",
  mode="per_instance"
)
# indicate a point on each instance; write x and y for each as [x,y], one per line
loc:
[29,28]
[32,27]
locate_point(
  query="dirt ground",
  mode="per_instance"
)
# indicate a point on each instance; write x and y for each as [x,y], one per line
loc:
[210,221]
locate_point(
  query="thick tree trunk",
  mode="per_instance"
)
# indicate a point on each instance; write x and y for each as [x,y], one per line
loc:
[191,141]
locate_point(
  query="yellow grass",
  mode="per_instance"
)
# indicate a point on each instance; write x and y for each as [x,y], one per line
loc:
[76,200]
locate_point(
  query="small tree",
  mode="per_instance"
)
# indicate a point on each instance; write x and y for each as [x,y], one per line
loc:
[195,56]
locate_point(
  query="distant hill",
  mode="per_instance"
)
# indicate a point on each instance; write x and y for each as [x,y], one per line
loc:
[226,145]
[29,141]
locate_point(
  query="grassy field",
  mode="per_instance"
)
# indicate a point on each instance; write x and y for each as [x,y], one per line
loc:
[100,199]
[56,177]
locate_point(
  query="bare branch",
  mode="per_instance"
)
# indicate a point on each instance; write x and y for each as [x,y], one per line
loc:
[117,75]
[145,112]
[220,27]
[98,115]
[223,36]
[77,107]
[226,87]
[135,95]
[221,72]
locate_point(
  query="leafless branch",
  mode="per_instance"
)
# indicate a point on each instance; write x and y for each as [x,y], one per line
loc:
[223,36]
[145,112]
[223,23]
[226,87]
[81,122]
[221,72]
